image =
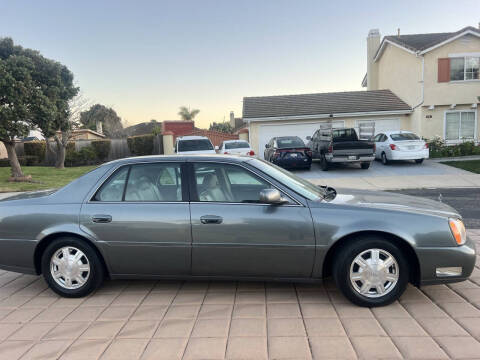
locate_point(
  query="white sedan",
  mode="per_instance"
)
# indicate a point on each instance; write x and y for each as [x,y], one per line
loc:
[236,147]
[400,145]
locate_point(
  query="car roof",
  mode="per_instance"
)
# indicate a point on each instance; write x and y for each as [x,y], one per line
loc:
[181,158]
[233,141]
[397,132]
[192,137]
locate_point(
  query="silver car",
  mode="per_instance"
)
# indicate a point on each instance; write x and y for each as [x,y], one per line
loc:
[227,217]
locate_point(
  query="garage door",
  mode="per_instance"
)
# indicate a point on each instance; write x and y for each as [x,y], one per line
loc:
[381,125]
[300,129]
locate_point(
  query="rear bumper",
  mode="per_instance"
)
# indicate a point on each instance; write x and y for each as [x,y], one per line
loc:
[409,155]
[17,255]
[293,163]
[456,256]
[344,159]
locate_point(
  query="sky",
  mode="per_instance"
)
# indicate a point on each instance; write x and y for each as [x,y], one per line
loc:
[145,59]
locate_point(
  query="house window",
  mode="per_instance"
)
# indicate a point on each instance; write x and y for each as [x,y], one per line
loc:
[460,125]
[464,68]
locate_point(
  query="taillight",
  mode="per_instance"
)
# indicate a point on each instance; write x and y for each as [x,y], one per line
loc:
[251,153]
[308,152]
[226,152]
[393,146]
[330,148]
[426,145]
[276,153]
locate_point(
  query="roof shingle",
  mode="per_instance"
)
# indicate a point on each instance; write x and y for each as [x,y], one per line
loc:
[322,103]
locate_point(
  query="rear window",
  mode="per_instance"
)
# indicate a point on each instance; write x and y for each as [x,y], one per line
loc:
[290,142]
[237,145]
[405,136]
[344,135]
[194,145]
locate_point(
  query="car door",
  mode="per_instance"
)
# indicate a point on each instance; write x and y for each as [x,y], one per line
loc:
[141,215]
[233,234]
[376,140]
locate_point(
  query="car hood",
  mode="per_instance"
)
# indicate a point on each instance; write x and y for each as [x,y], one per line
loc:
[392,201]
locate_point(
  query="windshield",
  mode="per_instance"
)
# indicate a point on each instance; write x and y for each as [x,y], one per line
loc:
[194,145]
[237,145]
[290,142]
[404,136]
[297,184]
[344,135]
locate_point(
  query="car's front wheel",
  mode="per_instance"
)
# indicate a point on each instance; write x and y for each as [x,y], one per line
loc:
[371,271]
[71,267]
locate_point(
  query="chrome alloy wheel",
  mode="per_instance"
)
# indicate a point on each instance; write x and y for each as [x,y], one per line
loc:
[70,267]
[374,273]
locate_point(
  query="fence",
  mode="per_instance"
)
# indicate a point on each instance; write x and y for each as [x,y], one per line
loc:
[215,137]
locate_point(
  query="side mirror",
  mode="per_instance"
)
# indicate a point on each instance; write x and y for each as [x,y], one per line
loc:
[216,148]
[267,146]
[308,138]
[272,196]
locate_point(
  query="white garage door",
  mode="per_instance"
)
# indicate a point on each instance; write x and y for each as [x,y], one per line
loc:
[300,129]
[381,125]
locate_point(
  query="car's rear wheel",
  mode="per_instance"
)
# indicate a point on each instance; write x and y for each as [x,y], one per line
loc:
[371,271]
[419,161]
[365,165]
[384,159]
[323,162]
[71,267]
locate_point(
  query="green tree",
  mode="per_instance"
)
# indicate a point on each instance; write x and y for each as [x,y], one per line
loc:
[187,114]
[224,127]
[111,122]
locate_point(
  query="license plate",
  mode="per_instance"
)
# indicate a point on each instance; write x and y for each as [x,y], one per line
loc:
[352,157]
[293,155]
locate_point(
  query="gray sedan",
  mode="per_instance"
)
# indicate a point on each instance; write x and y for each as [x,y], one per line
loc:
[227,217]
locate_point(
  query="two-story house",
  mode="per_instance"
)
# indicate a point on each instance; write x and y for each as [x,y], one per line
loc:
[436,74]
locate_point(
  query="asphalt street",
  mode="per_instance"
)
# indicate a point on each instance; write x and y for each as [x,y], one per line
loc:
[465,200]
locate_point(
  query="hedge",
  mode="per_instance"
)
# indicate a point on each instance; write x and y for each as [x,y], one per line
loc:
[101,148]
[35,148]
[141,145]
[27,160]
[439,149]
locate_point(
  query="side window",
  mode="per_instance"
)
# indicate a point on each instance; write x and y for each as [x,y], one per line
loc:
[227,183]
[112,189]
[154,182]
[378,138]
[384,138]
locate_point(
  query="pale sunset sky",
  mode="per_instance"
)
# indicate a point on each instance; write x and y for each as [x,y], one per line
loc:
[147,58]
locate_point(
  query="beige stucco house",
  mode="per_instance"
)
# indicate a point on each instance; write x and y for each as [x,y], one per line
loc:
[436,74]
[427,83]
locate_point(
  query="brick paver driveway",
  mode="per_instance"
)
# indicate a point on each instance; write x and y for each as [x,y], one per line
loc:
[193,320]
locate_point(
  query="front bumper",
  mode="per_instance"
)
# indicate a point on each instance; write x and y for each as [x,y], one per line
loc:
[409,155]
[345,159]
[432,259]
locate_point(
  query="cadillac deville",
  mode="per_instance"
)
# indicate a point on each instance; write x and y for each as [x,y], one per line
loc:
[227,217]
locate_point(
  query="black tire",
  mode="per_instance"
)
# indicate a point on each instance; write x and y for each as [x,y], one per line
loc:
[384,159]
[343,262]
[365,165]
[323,162]
[95,277]
[419,161]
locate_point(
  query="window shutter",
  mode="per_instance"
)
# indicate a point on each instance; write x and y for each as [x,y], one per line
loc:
[444,70]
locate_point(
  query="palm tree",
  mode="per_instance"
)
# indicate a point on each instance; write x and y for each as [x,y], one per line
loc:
[187,114]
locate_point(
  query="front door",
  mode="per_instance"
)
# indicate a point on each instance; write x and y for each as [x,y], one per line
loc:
[142,216]
[235,235]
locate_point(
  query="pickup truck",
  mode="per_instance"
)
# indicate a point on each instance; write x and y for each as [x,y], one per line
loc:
[340,146]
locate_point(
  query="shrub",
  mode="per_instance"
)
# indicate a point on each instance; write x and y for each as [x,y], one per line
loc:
[35,148]
[23,160]
[101,148]
[438,148]
[141,145]
[85,156]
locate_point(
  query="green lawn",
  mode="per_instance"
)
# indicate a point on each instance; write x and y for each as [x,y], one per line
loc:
[469,165]
[43,177]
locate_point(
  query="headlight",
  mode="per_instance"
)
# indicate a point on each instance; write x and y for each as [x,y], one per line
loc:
[458,230]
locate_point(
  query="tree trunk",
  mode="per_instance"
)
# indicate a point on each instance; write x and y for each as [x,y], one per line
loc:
[60,162]
[12,157]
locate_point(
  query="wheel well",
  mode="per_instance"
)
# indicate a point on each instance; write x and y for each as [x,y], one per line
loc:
[403,245]
[37,256]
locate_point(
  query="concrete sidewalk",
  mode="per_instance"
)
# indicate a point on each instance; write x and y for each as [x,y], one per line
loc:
[402,182]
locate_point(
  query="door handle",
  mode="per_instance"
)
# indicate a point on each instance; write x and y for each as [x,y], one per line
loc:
[211,219]
[101,218]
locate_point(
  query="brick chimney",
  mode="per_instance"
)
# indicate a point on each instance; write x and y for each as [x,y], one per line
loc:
[373,42]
